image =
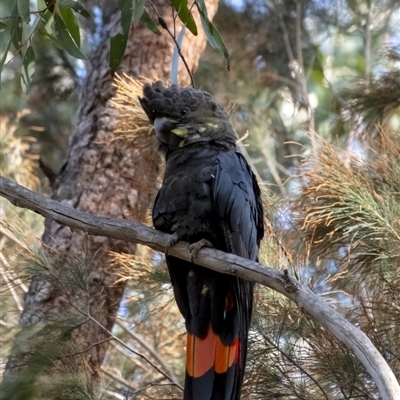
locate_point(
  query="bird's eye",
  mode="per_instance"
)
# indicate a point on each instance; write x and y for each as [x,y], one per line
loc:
[184,112]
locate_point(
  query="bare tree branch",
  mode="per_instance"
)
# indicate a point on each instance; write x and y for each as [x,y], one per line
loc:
[219,261]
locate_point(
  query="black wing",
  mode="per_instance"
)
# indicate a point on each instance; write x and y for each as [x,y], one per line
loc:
[237,202]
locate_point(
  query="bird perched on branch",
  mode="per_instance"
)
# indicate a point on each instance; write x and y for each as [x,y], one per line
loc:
[209,197]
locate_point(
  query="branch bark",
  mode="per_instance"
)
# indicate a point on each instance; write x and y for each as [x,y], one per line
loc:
[216,260]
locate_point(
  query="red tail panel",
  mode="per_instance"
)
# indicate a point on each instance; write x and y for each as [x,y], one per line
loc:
[225,356]
[200,353]
[211,367]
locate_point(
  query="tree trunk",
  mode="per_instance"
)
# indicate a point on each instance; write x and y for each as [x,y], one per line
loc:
[107,178]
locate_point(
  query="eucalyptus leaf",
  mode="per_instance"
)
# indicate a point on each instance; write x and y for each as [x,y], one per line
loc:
[149,23]
[181,7]
[71,22]
[24,10]
[65,39]
[50,37]
[126,14]
[28,68]
[4,55]
[75,5]
[117,50]
[137,10]
[212,34]
[16,34]
[66,3]
[81,10]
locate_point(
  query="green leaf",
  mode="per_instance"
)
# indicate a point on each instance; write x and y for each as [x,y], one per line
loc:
[65,39]
[3,26]
[48,36]
[47,19]
[126,14]
[81,10]
[213,36]
[149,22]
[117,50]
[71,22]
[28,68]
[24,10]
[33,25]
[137,10]
[16,35]
[4,55]
[67,3]
[201,5]
[76,6]
[175,57]
[181,7]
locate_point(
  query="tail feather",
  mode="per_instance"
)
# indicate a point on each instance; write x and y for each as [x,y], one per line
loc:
[225,355]
[212,368]
[200,353]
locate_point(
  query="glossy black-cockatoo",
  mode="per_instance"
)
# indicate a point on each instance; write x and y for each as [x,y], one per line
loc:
[209,195]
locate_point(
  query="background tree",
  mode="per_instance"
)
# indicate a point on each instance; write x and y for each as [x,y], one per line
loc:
[298,69]
[100,175]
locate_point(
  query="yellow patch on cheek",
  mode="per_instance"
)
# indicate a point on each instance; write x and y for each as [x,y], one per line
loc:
[180,131]
[212,125]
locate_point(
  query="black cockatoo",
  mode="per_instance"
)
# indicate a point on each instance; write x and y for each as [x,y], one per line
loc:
[209,196]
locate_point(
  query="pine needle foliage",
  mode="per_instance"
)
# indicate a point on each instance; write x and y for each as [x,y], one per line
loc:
[350,205]
[19,228]
[149,310]
[349,220]
[374,100]
[17,161]
[133,126]
[292,357]
[42,349]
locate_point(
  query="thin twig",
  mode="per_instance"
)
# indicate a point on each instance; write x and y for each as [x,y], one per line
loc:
[164,25]
[291,360]
[174,382]
[367,43]
[89,348]
[303,82]
[10,287]
[9,234]
[145,345]
[128,355]
[149,386]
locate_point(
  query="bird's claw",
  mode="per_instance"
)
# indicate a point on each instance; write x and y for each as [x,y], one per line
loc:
[194,248]
[172,241]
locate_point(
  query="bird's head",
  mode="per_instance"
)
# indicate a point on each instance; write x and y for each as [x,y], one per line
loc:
[183,116]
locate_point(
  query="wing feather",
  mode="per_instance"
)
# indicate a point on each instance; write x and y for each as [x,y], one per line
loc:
[238,205]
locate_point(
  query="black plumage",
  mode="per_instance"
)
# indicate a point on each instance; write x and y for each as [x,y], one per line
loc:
[208,193]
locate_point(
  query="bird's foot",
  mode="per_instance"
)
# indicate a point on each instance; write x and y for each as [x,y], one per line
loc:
[172,241]
[194,248]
